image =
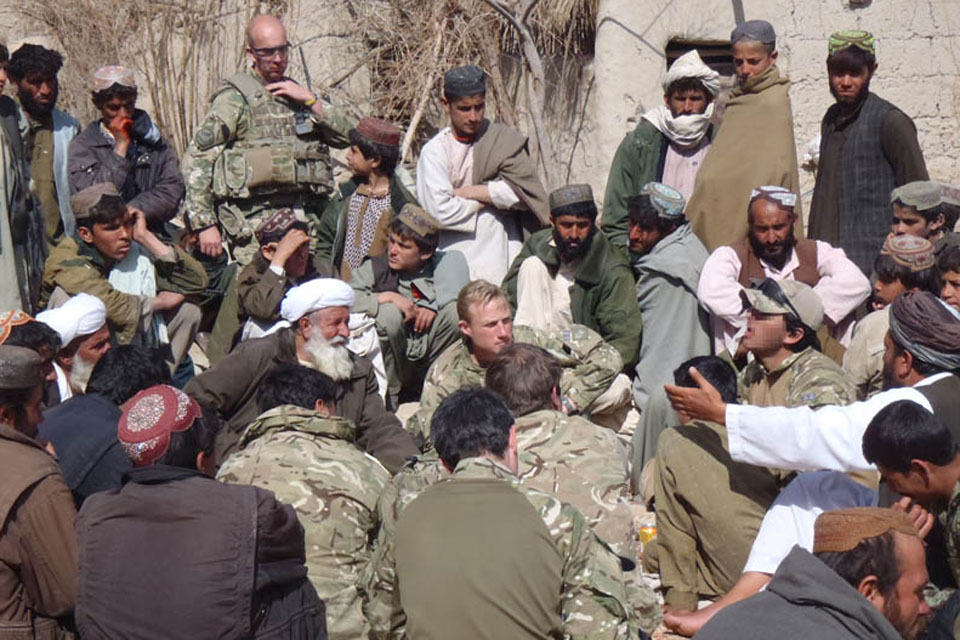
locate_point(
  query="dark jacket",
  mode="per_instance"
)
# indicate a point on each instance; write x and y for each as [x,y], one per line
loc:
[602,296]
[805,599]
[176,554]
[83,431]
[148,177]
[230,387]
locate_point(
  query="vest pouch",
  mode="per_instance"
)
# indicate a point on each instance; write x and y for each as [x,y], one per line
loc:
[312,162]
[230,174]
[234,222]
[270,168]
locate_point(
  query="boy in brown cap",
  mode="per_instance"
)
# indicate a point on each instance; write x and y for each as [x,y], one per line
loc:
[412,292]
[354,225]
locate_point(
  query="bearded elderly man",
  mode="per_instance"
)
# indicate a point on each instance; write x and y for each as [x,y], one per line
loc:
[81,323]
[867,147]
[313,332]
[570,274]
[667,146]
[772,250]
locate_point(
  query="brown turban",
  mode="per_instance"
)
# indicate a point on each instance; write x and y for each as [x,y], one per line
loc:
[844,529]
[928,328]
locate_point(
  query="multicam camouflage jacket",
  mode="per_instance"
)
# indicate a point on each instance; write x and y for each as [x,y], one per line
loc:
[589,366]
[310,462]
[229,122]
[596,600]
[805,379]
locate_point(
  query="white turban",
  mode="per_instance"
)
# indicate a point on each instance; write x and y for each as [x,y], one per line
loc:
[689,65]
[315,295]
[81,315]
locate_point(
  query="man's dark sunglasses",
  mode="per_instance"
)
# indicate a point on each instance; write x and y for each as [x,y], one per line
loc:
[283,51]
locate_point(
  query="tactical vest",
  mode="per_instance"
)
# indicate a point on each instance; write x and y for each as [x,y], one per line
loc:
[280,153]
[752,269]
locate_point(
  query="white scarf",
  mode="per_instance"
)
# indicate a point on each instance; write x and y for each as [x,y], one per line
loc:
[685,132]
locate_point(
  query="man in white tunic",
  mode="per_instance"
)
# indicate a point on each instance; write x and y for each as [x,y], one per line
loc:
[477,179]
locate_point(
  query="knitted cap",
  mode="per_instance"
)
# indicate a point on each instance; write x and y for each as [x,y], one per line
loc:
[573,199]
[912,252]
[418,220]
[150,418]
[379,131]
[20,368]
[468,80]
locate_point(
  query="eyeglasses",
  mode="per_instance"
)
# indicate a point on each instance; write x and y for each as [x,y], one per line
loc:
[770,288]
[271,52]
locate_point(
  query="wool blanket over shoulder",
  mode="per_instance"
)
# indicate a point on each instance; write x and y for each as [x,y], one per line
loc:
[754,147]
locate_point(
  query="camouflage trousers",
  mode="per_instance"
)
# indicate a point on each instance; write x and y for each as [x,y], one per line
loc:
[709,509]
[408,355]
[238,224]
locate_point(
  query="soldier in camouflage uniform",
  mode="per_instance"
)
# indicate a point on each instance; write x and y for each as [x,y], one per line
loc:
[263,146]
[309,460]
[709,508]
[590,365]
[455,554]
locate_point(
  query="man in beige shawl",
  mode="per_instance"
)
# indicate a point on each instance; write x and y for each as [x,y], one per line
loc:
[754,145]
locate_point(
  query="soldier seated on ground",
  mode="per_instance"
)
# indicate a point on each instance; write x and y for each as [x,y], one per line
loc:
[298,449]
[412,292]
[142,281]
[590,384]
[481,555]
[569,456]
[354,225]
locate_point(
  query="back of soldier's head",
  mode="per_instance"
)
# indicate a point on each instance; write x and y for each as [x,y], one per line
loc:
[470,423]
[296,385]
[524,375]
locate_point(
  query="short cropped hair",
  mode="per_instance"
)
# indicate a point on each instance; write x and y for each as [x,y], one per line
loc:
[643,214]
[297,385]
[875,556]
[387,154]
[469,423]
[524,375]
[34,335]
[4,54]
[948,260]
[425,243]
[717,371]
[903,431]
[929,215]
[478,292]
[851,60]
[889,270]
[186,445]
[33,58]
[125,370]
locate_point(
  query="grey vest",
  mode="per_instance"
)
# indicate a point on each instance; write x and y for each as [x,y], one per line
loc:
[865,183]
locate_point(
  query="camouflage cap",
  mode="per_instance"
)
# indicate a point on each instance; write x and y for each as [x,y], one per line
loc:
[86,201]
[106,77]
[379,131]
[274,227]
[573,199]
[786,297]
[921,195]
[852,38]
[20,368]
[468,80]
[418,220]
[845,529]
[913,252]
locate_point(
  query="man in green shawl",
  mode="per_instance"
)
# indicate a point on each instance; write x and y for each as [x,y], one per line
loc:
[758,111]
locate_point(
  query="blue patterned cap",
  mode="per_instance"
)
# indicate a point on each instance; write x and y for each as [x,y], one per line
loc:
[668,202]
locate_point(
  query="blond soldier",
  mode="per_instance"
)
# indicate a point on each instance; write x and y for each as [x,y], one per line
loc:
[309,460]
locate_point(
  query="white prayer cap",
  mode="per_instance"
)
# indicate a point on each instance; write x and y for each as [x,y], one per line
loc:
[315,295]
[775,192]
[81,315]
[689,65]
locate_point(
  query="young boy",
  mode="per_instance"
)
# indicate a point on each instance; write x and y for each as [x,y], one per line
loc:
[412,293]
[906,263]
[948,264]
[354,225]
[142,281]
[917,210]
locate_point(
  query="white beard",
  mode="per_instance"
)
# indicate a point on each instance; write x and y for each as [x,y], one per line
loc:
[330,357]
[80,374]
